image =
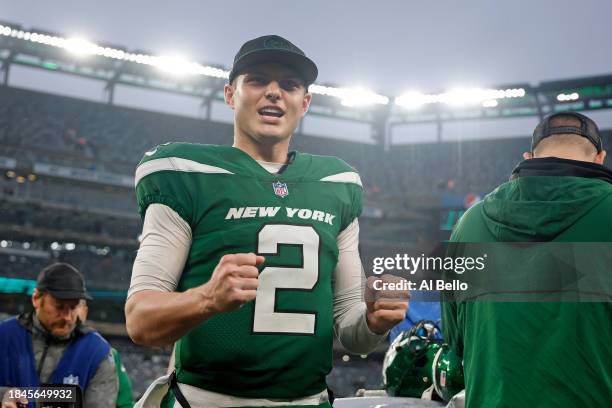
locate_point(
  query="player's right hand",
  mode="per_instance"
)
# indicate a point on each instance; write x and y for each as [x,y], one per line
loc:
[233,282]
[13,402]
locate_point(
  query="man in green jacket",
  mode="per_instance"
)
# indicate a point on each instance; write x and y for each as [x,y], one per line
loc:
[539,354]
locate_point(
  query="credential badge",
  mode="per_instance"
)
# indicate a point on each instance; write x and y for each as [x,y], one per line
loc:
[71,379]
[280,189]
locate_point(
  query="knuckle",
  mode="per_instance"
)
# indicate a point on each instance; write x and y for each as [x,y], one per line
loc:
[220,276]
[225,259]
[234,294]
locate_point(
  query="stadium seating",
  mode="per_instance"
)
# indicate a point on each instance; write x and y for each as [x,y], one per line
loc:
[95,226]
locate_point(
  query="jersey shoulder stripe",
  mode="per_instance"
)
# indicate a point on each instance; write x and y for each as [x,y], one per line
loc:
[345,177]
[331,168]
[202,153]
[175,164]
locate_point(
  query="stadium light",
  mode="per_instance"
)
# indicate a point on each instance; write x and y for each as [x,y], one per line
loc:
[413,100]
[462,97]
[80,46]
[362,97]
[350,96]
[83,47]
[458,97]
[562,97]
[175,65]
[490,104]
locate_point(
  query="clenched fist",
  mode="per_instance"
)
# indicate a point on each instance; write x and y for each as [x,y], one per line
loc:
[385,307]
[233,282]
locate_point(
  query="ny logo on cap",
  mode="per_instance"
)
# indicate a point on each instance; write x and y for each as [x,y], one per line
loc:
[276,42]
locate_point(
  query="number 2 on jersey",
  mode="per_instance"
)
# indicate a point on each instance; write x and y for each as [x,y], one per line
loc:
[266,319]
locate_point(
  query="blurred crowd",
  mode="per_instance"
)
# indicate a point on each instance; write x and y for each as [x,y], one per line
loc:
[95,227]
[43,128]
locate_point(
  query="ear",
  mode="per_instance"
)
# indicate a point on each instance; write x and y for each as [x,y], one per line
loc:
[228,93]
[527,155]
[36,298]
[306,103]
[600,157]
[83,310]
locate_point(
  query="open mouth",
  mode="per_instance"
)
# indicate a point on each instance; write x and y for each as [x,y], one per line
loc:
[271,112]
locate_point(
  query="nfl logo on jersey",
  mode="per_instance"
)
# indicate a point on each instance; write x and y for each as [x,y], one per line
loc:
[280,189]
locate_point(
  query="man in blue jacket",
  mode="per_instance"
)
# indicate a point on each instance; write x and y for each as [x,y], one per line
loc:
[50,346]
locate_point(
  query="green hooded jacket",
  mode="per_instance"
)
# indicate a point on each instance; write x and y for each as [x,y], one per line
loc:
[537,354]
[124,396]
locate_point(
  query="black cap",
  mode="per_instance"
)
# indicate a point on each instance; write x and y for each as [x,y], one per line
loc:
[63,281]
[274,48]
[587,129]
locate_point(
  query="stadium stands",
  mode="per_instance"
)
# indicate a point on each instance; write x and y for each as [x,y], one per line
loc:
[42,128]
[88,216]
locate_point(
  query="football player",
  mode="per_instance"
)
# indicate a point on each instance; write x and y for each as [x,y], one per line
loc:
[249,256]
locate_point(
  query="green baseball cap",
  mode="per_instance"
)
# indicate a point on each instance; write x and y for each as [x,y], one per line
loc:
[274,48]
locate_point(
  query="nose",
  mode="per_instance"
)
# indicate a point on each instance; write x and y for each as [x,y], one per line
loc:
[66,312]
[273,90]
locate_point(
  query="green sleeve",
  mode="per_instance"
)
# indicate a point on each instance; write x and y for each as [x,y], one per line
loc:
[355,194]
[450,328]
[158,182]
[124,396]
[348,189]
[356,204]
[450,325]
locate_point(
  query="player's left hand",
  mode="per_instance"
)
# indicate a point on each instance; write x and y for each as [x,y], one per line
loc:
[385,308]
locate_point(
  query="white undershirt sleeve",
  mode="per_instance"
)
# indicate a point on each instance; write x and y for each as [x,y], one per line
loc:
[350,322]
[164,246]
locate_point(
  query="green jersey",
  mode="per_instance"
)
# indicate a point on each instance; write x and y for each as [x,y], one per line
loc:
[280,345]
